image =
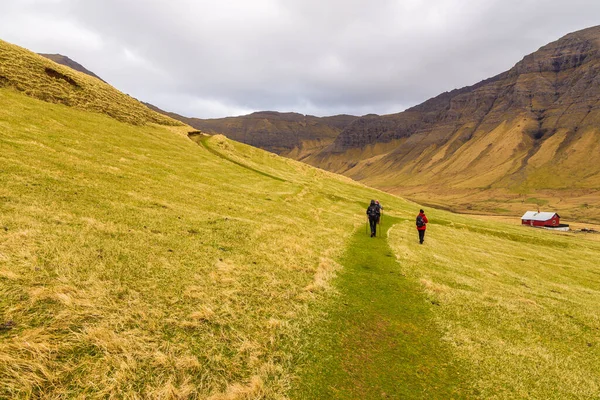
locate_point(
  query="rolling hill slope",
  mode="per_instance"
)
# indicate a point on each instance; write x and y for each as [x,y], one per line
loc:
[528,133]
[135,259]
[39,77]
[137,263]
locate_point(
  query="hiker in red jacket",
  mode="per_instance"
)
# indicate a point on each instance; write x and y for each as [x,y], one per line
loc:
[422,225]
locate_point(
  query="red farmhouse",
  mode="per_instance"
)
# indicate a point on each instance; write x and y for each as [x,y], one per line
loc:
[533,218]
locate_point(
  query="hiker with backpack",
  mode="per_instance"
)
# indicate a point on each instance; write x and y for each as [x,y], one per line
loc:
[373,213]
[421,225]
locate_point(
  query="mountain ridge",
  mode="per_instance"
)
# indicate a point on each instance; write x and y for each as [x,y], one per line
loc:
[526,65]
[515,136]
[285,133]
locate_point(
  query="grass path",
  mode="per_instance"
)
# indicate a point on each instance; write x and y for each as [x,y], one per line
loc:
[202,141]
[378,339]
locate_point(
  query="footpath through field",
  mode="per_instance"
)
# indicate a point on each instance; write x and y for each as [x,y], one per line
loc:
[202,140]
[378,339]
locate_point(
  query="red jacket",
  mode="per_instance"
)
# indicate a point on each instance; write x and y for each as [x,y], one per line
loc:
[422,228]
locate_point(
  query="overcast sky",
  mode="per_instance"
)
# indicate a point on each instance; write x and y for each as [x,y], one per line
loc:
[219,58]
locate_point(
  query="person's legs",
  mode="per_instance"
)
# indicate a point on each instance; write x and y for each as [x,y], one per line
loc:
[421,236]
[373,223]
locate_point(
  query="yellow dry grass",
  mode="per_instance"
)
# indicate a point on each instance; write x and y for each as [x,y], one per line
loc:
[134,263]
[519,305]
[548,149]
[38,77]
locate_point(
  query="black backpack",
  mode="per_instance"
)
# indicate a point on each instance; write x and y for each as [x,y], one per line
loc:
[420,221]
[373,211]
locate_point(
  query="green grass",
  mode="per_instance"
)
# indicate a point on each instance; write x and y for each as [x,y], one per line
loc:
[377,339]
[519,305]
[135,263]
[204,142]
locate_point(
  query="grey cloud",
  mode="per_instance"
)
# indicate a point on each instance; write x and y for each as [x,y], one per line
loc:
[211,59]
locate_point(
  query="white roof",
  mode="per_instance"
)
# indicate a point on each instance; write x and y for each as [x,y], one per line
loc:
[538,216]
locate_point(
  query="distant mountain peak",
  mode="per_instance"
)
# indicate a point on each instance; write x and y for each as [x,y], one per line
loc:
[66,61]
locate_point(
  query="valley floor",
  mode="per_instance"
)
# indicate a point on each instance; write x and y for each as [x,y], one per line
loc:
[582,206]
[519,305]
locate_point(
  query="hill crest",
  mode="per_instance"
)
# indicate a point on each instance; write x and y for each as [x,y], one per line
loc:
[44,79]
[66,61]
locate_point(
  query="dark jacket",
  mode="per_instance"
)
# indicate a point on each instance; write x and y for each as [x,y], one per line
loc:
[373,211]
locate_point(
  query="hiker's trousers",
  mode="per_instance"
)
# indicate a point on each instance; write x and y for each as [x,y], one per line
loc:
[373,223]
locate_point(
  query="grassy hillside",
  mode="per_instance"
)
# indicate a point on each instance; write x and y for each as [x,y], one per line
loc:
[518,304]
[39,77]
[137,263]
[134,262]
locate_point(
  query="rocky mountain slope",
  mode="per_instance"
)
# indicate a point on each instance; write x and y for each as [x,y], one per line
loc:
[290,134]
[528,135]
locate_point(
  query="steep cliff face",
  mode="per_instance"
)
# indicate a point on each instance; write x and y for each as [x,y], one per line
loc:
[531,129]
[290,134]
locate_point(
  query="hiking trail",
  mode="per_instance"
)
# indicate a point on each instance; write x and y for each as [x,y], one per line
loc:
[201,140]
[377,338]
